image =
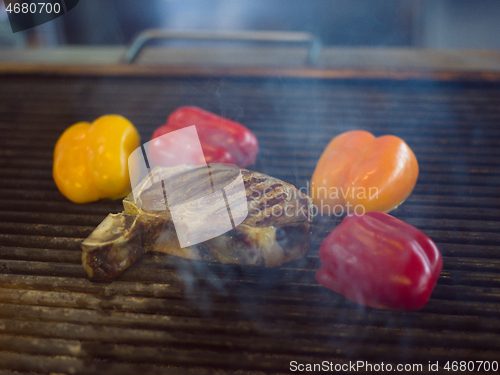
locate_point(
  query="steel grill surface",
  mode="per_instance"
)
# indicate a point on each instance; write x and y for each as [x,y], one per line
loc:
[175,316]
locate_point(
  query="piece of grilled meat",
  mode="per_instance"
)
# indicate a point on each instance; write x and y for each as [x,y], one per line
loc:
[276,230]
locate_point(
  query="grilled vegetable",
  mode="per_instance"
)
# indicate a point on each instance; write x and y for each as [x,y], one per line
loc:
[379,261]
[359,173]
[90,160]
[222,140]
[276,230]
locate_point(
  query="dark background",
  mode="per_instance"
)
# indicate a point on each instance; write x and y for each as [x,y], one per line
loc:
[394,23]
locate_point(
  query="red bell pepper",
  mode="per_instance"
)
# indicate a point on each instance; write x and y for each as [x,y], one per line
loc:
[222,140]
[379,261]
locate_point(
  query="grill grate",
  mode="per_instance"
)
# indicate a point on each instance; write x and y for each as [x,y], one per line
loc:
[169,315]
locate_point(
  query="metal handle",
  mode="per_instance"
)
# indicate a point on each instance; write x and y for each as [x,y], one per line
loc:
[227,36]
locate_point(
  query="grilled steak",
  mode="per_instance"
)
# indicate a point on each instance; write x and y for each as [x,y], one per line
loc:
[276,230]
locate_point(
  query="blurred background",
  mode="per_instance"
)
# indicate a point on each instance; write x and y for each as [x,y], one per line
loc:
[444,24]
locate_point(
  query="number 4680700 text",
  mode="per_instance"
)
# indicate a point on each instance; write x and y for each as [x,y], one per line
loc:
[32,7]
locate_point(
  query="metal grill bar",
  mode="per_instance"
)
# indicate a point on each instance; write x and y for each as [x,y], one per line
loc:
[169,315]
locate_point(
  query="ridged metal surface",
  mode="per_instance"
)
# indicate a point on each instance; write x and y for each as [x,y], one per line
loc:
[175,316]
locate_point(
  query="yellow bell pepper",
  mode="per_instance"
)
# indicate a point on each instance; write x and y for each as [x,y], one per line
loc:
[90,160]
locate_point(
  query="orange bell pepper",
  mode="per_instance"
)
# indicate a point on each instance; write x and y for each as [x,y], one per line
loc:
[358,173]
[91,160]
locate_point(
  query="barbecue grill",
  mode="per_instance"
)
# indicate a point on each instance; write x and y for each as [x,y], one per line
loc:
[166,315]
